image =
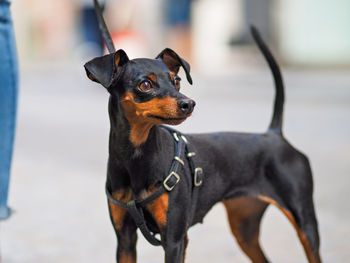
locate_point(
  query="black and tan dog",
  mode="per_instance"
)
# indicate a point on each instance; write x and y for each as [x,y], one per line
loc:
[246,172]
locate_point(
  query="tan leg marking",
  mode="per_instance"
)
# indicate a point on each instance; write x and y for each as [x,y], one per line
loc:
[118,213]
[158,208]
[126,258]
[302,237]
[244,215]
[186,244]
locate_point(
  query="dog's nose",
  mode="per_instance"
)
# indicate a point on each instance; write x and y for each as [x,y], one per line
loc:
[186,105]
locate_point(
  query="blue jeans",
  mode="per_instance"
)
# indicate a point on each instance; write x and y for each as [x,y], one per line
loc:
[90,30]
[178,12]
[8,101]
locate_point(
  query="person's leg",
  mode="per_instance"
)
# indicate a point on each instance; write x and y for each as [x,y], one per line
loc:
[90,30]
[257,13]
[8,101]
[178,12]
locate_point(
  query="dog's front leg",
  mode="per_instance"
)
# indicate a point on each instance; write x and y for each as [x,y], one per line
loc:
[124,227]
[127,237]
[175,251]
[176,234]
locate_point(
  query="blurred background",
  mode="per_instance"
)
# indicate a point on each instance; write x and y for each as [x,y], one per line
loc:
[59,165]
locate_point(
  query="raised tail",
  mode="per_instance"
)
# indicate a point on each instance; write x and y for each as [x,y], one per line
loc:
[104,30]
[276,121]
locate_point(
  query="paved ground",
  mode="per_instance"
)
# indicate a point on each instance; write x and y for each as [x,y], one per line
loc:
[57,186]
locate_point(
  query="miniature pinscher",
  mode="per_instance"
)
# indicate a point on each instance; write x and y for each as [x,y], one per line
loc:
[150,188]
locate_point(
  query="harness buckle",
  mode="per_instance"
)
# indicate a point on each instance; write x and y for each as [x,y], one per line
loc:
[172,179]
[184,138]
[198,176]
[191,154]
[177,158]
[175,136]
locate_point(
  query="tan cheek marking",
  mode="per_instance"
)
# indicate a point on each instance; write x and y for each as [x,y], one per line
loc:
[165,107]
[301,235]
[118,213]
[152,77]
[137,115]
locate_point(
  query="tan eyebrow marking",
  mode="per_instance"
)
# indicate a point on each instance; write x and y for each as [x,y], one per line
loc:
[152,77]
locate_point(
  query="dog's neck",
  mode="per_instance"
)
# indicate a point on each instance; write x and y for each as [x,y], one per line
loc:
[134,161]
[121,133]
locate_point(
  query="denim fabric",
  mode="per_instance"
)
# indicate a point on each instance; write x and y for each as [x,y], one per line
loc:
[8,101]
[178,12]
[90,29]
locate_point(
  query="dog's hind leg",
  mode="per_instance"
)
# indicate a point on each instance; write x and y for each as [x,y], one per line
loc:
[244,215]
[305,227]
[290,190]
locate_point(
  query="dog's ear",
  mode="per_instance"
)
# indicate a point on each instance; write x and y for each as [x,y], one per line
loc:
[173,61]
[106,69]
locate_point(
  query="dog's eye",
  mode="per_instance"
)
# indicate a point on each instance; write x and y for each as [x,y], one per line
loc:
[145,86]
[177,82]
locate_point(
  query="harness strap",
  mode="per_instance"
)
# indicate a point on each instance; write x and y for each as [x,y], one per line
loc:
[134,207]
[197,176]
[197,172]
[139,219]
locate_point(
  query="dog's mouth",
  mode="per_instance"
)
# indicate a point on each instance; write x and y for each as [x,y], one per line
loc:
[171,121]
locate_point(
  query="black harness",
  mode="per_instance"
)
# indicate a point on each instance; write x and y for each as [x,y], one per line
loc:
[134,207]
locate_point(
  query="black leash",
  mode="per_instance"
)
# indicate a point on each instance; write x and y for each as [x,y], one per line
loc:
[134,207]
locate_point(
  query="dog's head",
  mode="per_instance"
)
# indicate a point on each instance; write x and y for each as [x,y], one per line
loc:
[147,89]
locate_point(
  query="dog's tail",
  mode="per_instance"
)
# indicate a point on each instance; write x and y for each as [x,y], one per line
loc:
[103,27]
[276,121]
